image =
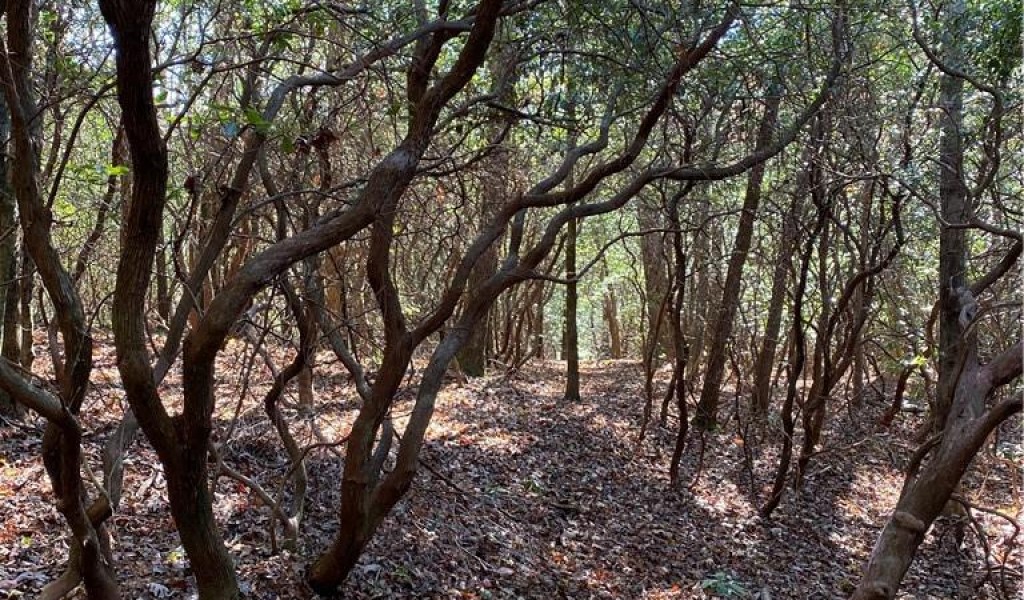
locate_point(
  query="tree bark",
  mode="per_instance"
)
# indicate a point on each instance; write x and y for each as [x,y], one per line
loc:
[765,361]
[182,442]
[571,339]
[680,347]
[572,336]
[62,452]
[964,384]
[9,408]
[955,208]
[611,317]
[654,257]
[925,494]
[797,357]
[707,408]
[364,504]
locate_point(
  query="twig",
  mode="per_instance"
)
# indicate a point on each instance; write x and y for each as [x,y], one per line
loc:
[1011,543]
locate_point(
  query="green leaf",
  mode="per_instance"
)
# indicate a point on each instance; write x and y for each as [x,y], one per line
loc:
[255,118]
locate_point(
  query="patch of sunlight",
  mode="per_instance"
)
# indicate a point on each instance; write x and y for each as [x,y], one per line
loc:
[671,592]
[881,484]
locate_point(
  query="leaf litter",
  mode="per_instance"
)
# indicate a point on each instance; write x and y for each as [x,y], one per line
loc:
[522,495]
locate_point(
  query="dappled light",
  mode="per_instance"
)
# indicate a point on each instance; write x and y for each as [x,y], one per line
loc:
[511,299]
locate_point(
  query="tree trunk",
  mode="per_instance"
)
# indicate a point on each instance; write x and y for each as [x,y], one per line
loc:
[572,338]
[62,451]
[707,408]
[700,283]
[191,503]
[26,289]
[955,209]
[680,349]
[538,324]
[364,503]
[571,341]
[797,358]
[964,385]
[9,408]
[473,356]
[181,442]
[361,512]
[925,494]
[11,348]
[765,362]
[611,317]
[652,252]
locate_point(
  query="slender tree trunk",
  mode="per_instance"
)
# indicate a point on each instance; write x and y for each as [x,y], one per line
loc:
[797,358]
[26,289]
[835,353]
[964,385]
[364,502]
[538,325]
[680,348]
[572,338]
[707,408]
[473,356]
[862,300]
[653,255]
[765,360]
[700,283]
[571,341]
[954,209]
[62,451]
[9,408]
[11,348]
[611,317]
[181,442]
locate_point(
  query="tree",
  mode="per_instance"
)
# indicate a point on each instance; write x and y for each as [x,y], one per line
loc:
[9,407]
[396,184]
[707,409]
[962,419]
[62,450]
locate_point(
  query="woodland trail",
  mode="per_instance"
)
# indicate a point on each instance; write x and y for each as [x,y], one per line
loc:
[525,496]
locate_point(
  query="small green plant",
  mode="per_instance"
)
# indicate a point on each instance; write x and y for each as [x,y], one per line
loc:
[176,557]
[724,585]
[532,487]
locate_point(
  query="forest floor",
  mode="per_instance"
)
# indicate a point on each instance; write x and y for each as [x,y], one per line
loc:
[526,496]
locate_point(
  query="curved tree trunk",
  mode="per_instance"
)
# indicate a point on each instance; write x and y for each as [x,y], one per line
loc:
[964,384]
[680,348]
[182,442]
[925,494]
[798,355]
[62,452]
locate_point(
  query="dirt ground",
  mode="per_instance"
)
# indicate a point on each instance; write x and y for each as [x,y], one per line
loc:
[525,496]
